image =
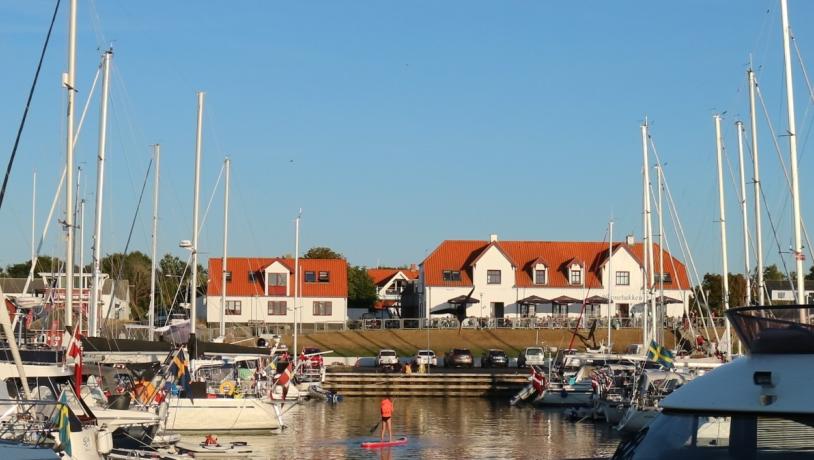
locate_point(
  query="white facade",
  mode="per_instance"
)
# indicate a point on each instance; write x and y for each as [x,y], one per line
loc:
[495,289]
[256,309]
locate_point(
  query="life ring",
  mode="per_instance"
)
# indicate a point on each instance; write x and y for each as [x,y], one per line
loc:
[227,387]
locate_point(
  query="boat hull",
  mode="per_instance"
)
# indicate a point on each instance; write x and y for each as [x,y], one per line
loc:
[221,415]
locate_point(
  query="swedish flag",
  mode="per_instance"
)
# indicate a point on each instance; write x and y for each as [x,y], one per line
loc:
[180,371]
[63,422]
[660,354]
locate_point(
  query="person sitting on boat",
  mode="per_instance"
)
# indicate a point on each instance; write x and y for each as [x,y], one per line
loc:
[387,413]
[211,440]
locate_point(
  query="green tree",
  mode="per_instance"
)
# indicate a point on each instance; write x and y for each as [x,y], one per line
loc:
[361,290]
[44,264]
[321,252]
[173,273]
[810,275]
[133,268]
[713,287]
[772,273]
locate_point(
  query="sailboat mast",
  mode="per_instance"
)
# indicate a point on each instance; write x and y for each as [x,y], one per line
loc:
[645,215]
[228,167]
[196,199]
[68,81]
[33,220]
[658,324]
[744,214]
[795,184]
[725,270]
[296,280]
[81,261]
[156,182]
[610,281]
[761,289]
[93,313]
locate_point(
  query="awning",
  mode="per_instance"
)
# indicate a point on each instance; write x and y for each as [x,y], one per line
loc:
[565,300]
[664,300]
[533,300]
[461,299]
[596,300]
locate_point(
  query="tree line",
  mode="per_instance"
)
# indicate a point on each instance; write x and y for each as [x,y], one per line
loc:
[712,285]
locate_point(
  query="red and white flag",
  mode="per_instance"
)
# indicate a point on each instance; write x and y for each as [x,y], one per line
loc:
[537,380]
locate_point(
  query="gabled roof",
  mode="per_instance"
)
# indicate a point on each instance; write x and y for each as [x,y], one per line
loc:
[497,246]
[459,255]
[240,286]
[382,276]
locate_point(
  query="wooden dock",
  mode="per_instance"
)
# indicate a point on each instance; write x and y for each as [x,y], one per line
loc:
[440,384]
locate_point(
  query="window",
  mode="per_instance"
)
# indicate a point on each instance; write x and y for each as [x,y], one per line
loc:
[232,307]
[492,276]
[540,276]
[310,277]
[324,277]
[576,276]
[452,275]
[277,307]
[322,308]
[623,278]
[277,279]
[254,277]
[228,275]
[662,277]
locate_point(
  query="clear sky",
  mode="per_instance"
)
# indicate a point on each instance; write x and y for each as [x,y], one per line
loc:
[396,125]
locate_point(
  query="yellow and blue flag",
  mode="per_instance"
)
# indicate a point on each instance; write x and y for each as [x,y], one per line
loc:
[179,369]
[63,422]
[660,354]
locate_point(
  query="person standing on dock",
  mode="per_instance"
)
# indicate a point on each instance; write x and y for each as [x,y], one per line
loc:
[387,413]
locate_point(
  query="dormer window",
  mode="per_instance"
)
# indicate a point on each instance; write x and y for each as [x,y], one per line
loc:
[663,277]
[541,275]
[452,275]
[576,275]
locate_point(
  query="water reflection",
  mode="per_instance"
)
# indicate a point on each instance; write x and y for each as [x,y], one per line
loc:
[437,428]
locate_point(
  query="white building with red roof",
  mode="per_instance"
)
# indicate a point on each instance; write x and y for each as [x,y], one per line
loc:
[261,290]
[499,275]
[390,283]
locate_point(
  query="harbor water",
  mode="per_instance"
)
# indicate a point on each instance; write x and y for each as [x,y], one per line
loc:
[437,428]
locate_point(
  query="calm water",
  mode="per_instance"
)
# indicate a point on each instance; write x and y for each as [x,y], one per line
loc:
[437,428]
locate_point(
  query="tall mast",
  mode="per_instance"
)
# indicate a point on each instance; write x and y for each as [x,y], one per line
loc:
[93,313]
[33,222]
[761,289]
[744,216]
[725,269]
[645,219]
[610,282]
[296,279]
[68,82]
[81,260]
[228,166]
[156,182]
[795,184]
[658,321]
[196,197]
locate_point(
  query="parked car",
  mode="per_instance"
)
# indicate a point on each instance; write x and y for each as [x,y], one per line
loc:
[494,357]
[531,356]
[315,361]
[425,357]
[458,357]
[387,359]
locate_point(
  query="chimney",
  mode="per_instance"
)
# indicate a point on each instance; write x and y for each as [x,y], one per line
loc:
[493,237]
[629,239]
[413,267]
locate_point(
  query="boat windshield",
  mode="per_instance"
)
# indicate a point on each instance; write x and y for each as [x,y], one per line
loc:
[736,436]
[774,330]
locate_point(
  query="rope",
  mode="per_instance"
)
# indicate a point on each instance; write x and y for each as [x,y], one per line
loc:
[28,105]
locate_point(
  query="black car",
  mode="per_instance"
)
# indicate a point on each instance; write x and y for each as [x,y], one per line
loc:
[494,357]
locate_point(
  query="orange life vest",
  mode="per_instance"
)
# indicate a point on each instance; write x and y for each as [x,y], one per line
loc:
[387,408]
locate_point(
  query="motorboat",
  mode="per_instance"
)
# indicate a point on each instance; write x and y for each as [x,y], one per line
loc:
[757,406]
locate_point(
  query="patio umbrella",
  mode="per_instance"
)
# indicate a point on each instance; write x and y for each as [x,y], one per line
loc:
[664,300]
[462,299]
[596,300]
[564,300]
[532,300]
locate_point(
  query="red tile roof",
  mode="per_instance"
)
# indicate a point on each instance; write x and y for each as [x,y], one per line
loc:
[382,276]
[241,286]
[459,255]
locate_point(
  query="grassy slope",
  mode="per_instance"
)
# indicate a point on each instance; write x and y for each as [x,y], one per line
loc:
[406,342]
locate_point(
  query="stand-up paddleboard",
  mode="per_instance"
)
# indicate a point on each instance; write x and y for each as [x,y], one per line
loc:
[379,444]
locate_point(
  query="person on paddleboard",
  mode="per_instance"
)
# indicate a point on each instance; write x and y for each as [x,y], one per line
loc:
[387,413]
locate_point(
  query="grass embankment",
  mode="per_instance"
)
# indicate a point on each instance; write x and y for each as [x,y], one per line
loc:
[406,342]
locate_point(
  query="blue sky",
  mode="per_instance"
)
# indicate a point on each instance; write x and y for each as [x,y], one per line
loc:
[396,125]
